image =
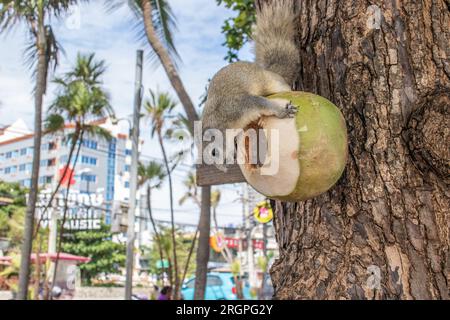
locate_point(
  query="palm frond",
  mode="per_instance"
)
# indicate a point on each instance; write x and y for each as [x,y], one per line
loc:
[97,131]
[165,24]
[53,123]
[163,20]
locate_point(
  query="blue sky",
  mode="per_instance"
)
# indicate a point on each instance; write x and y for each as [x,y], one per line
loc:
[112,37]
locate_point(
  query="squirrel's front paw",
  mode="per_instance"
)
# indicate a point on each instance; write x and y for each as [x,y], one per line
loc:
[288,112]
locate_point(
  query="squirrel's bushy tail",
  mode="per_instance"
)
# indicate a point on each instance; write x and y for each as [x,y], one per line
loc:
[275,49]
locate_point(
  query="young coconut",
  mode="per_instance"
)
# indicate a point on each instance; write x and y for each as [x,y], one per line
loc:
[297,158]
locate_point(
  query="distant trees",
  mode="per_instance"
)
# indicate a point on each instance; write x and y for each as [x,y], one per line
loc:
[80,101]
[156,22]
[157,108]
[107,256]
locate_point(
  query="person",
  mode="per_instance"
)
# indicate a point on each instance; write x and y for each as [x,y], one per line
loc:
[165,293]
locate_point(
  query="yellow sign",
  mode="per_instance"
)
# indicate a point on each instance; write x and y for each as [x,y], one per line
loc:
[263,212]
[217,242]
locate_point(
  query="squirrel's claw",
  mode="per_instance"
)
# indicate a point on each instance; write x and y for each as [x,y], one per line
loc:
[291,109]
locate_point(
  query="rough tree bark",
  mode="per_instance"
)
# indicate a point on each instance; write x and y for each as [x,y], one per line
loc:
[390,76]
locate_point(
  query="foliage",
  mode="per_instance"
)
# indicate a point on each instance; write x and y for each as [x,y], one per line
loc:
[40,34]
[106,256]
[12,215]
[81,98]
[237,30]
[153,173]
[183,244]
[163,20]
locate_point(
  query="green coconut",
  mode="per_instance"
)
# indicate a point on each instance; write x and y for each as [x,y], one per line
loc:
[309,155]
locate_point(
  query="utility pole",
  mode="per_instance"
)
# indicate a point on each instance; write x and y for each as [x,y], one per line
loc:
[133,175]
[249,229]
[53,223]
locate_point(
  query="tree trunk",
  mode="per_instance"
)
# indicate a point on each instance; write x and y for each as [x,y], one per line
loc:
[177,84]
[78,140]
[172,220]
[168,65]
[155,230]
[202,258]
[383,231]
[41,83]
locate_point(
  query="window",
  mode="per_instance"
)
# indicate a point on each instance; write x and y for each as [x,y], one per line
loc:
[128,152]
[91,144]
[26,183]
[88,177]
[7,170]
[89,160]
[23,151]
[48,162]
[52,146]
[15,153]
[13,169]
[213,281]
[22,167]
[2,156]
[8,155]
[190,284]
[45,180]
[127,168]
[127,184]
[30,150]
[28,166]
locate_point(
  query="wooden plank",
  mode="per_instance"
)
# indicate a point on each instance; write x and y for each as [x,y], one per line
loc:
[209,175]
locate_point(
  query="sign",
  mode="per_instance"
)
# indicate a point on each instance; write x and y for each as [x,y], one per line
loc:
[263,212]
[217,242]
[84,210]
[233,243]
[67,174]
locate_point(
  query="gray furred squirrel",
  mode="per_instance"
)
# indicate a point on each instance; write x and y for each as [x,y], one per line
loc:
[236,94]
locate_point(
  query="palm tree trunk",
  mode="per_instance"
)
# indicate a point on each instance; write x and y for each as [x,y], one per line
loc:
[69,159]
[203,245]
[38,268]
[168,65]
[188,260]
[177,84]
[66,207]
[158,238]
[172,219]
[41,82]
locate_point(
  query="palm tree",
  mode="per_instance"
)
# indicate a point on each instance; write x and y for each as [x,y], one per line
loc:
[156,21]
[158,107]
[152,175]
[42,51]
[80,100]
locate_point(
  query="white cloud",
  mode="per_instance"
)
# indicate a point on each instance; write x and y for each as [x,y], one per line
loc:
[111,37]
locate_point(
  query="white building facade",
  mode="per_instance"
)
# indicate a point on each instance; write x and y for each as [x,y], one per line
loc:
[102,167]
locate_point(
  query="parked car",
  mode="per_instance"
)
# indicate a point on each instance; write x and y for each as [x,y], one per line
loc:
[219,286]
[266,292]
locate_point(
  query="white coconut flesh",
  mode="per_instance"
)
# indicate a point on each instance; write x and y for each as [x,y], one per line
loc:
[280,170]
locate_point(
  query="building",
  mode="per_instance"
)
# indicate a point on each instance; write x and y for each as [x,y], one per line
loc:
[102,166]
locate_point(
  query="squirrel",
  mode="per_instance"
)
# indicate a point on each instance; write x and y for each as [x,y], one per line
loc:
[236,94]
